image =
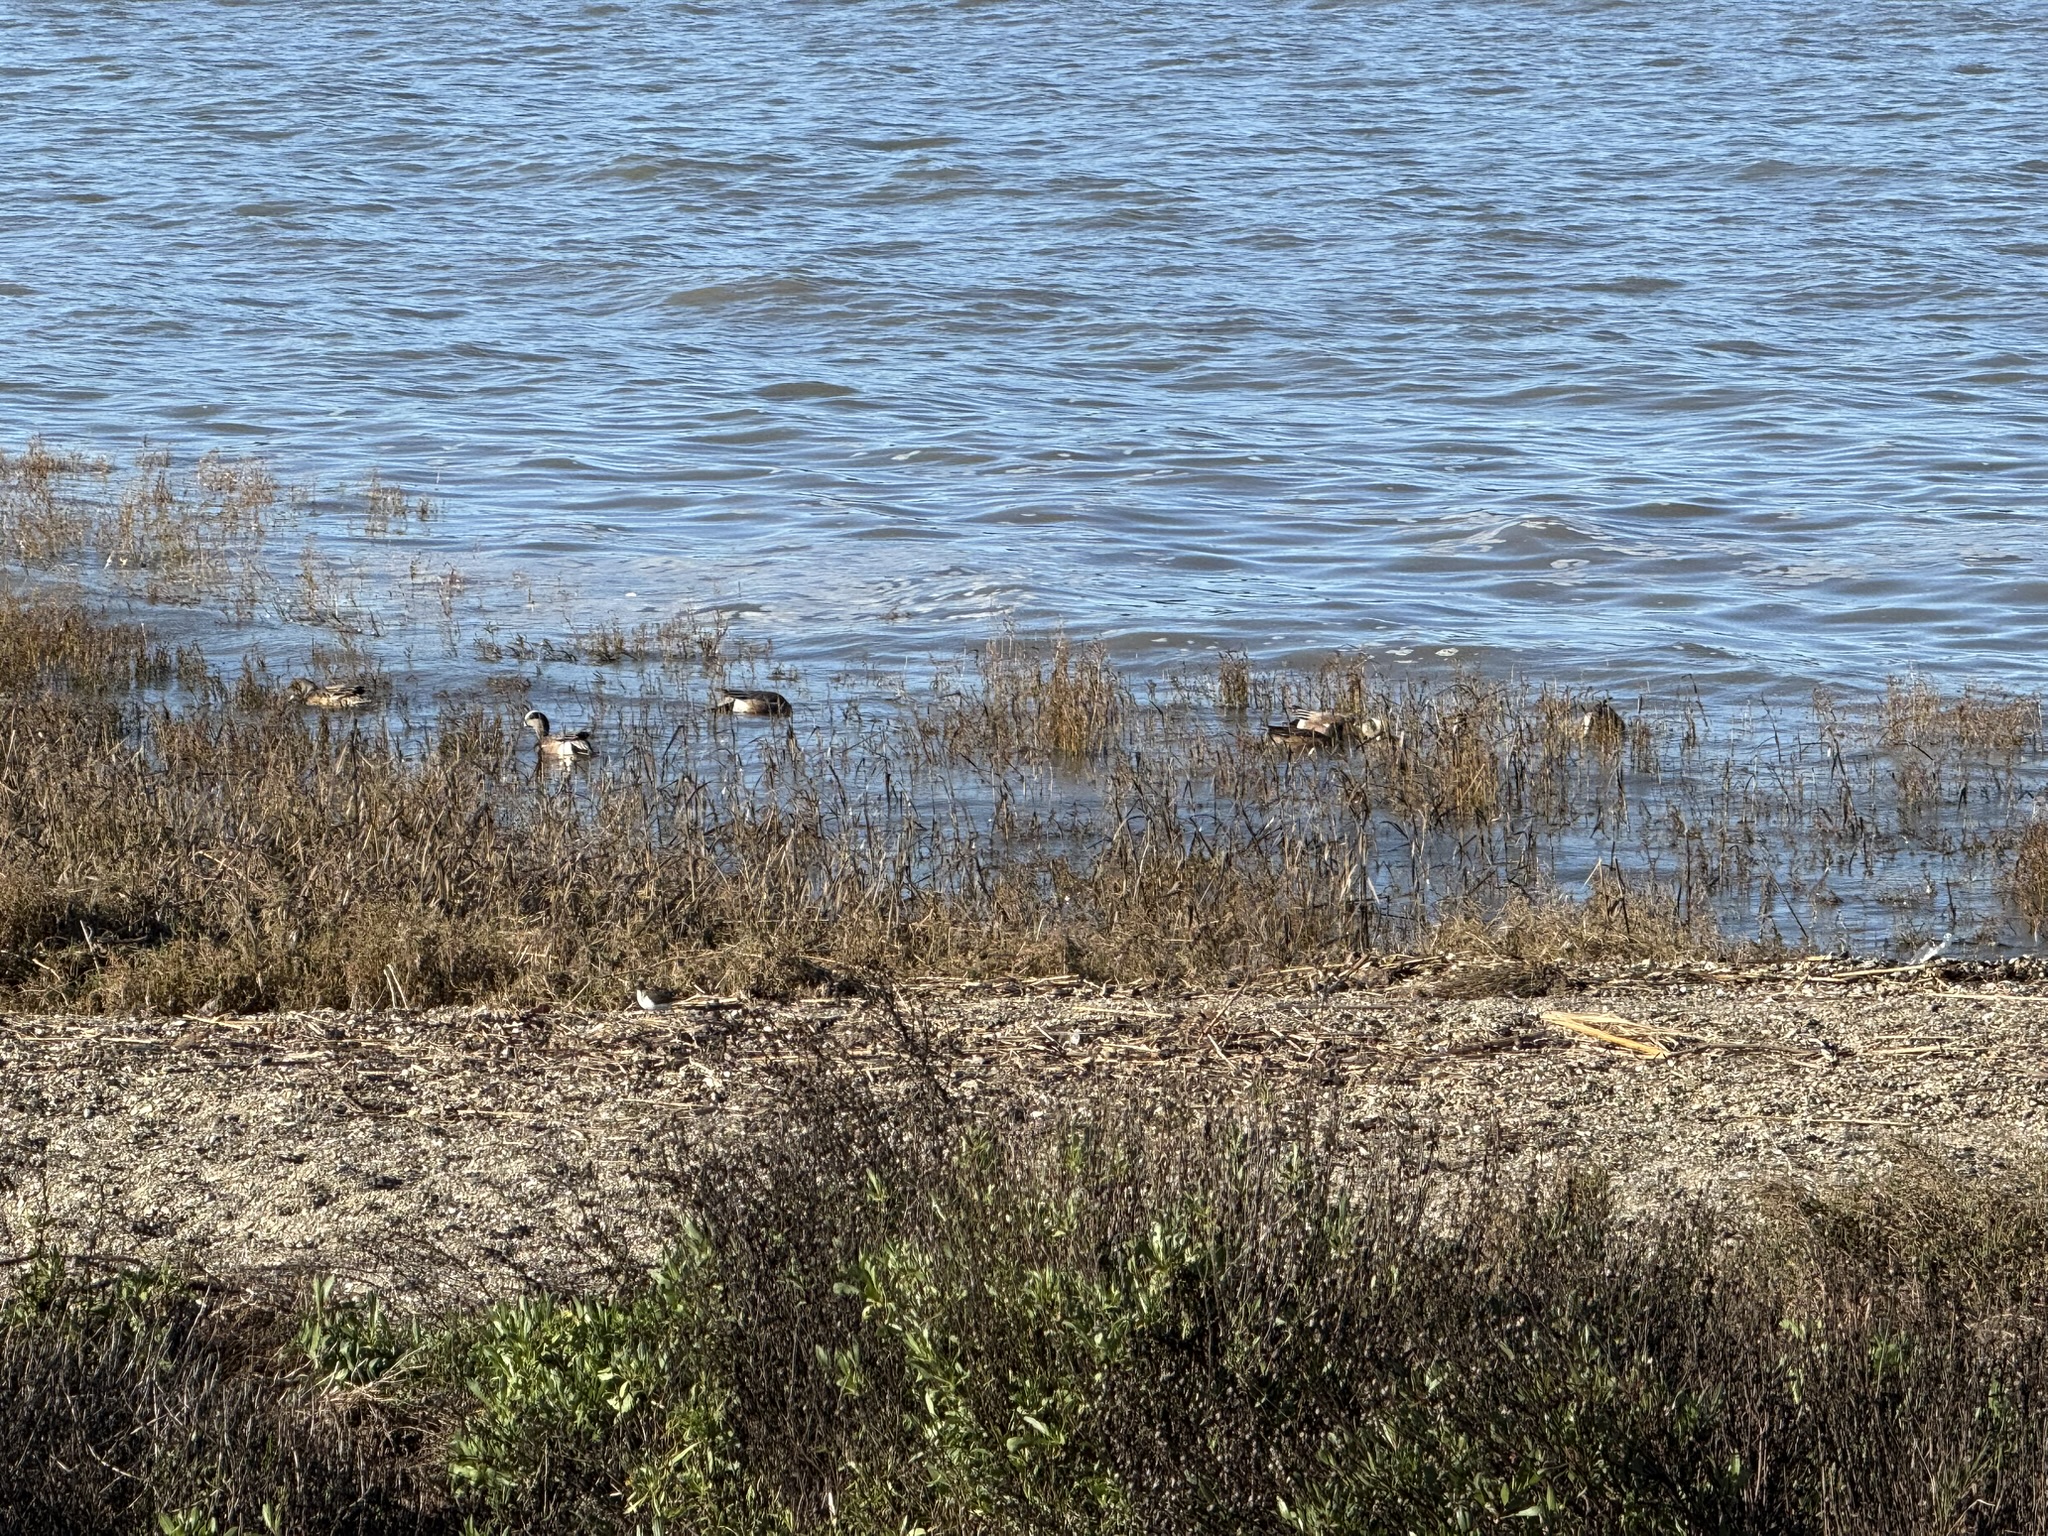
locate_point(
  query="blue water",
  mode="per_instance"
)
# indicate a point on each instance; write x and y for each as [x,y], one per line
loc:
[1614,340]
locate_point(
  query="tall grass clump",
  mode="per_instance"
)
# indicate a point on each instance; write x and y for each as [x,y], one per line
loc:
[878,1316]
[173,837]
[1062,701]
[174,834]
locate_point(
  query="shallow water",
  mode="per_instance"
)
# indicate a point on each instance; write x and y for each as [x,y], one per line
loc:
[1624,341]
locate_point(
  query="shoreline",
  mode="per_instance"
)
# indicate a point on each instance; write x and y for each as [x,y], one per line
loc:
[460,1153]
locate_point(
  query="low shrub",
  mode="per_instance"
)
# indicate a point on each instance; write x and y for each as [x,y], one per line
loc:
[883,1316]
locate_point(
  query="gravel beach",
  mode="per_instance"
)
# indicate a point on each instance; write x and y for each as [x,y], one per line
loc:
[475,1151]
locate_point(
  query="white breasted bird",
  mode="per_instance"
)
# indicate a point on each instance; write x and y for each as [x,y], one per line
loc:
[752,701]
[564,747]
[1602,726]
[1327,728]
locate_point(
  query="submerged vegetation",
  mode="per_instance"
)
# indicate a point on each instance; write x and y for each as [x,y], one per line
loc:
[177,831]
[881,1316]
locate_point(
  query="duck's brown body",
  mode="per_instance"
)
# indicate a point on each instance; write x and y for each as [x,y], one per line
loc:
[1327,728]
[1602,727]
[329,695]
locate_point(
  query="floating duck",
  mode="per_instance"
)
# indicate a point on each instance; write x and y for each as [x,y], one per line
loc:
[1602,726]
[329,695]
[551,745]
[752,701]
[1327,728]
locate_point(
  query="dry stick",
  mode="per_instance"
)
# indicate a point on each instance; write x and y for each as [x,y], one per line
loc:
[1588,1024]
[1879,970]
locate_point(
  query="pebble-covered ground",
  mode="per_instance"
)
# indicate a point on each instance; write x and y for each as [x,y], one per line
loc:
[476,1150]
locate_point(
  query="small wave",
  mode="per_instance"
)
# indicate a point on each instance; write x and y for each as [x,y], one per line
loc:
[743,291]
[901,533]
[1776,170]
[1743,346]
[805,389]
[1632,286]
[1677,509]
[633,171]
[1516,234]
[750,437]
[906,145]
[1465,447]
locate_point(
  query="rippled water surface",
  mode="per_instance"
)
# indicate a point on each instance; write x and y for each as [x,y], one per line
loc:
[1629,340]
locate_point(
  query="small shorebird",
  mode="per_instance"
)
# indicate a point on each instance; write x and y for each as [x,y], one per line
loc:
[551,745]
[752,701]
[1603,727]
[329,695]
[655,999]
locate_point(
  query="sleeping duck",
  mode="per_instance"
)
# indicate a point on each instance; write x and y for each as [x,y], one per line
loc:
[328,695]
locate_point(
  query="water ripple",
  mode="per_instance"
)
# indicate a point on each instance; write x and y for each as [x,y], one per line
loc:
[1628,340]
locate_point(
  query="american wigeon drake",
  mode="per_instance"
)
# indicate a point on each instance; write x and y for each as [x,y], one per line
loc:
[752,701]
[328,695]
[551,745]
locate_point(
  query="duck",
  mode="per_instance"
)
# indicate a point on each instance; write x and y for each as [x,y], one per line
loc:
[329,695]
[752,701]
[551,745]
[1602,726]
[1327,728]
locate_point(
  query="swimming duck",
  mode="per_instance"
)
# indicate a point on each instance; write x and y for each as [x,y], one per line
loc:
[752,701]
[1327,728]
[1602,726]
[551,745]
[328,695]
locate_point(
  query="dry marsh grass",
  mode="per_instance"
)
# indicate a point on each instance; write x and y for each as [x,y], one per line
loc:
[2030,876]
[1917,715]
[175,835]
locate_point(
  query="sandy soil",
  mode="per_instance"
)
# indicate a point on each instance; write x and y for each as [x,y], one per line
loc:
[471,1151]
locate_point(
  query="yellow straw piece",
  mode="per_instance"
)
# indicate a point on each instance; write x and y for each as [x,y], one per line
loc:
[1590,1025]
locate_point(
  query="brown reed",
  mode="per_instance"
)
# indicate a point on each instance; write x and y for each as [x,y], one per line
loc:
[173,834]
